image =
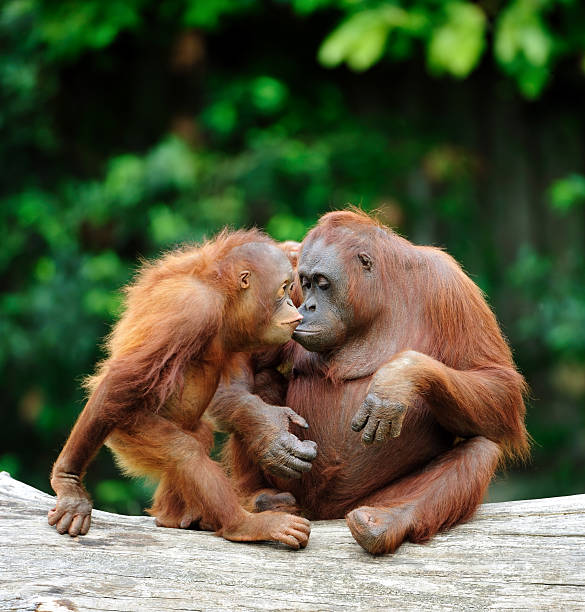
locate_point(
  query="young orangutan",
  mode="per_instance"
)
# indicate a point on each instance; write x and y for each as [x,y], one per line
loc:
[186,316]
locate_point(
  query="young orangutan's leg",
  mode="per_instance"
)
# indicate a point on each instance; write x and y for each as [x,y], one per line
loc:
[441,495]
[169,508]
[157,447]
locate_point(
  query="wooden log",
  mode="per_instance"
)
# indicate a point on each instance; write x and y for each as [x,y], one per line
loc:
[525,555]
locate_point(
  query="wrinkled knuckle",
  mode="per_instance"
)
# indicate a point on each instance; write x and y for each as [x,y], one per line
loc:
[371,398]
[268,461]
[282,437]
[399,408]
[282,459]
[274,448]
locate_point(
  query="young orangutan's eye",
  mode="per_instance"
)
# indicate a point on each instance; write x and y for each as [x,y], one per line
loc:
[282,291]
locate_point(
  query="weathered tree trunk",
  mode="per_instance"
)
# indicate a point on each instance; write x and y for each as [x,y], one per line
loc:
[515,555]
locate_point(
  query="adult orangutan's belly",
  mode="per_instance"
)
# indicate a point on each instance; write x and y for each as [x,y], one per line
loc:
[345,469]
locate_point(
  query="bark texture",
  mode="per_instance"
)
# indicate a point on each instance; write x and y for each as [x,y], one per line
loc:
[525,555]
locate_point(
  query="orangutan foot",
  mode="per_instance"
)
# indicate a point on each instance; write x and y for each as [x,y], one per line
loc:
[186,521]
[380,530]
[276,501]
[291,530]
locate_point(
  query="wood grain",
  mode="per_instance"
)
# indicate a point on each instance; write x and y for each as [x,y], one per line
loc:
[526,555]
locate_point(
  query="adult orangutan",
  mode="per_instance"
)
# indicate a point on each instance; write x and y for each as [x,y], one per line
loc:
[396,343]
[186,317]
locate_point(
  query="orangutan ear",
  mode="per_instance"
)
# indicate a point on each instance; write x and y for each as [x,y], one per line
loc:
[365,260]
[244,279]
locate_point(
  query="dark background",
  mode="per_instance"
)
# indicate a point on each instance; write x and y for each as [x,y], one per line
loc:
[129,126]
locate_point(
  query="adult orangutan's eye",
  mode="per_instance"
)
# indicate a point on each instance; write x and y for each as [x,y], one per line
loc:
[305,284]
[322,282]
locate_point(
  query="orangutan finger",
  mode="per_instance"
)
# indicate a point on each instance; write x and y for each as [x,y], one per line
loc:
[361,416]
[370,430]
[297,419]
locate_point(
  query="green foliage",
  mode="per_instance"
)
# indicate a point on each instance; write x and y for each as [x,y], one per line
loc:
[553,286]
[68,28]
[456,45]
[112,151]
[286,227]
[526,45]
[208,14]
[361,39]
[127,496]
[568,193]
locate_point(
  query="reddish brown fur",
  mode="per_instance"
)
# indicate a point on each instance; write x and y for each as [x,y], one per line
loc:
[425,338]
[185,317]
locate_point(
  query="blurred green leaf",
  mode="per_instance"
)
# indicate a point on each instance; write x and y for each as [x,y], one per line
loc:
[45,269]
[284,227]
[530,267]
[104,266]
[112,491]
[125,181]
[171,164]
[222,116]
[268,94]
[207,13]
[457,44]
[166,227]
[102,302]
[524,46]
[568,193]
[226,208]
[305,7]
[361,39]
[68,27]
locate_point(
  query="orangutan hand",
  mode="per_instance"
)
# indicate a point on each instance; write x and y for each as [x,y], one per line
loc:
[72,512]
[277,450]
[393,389]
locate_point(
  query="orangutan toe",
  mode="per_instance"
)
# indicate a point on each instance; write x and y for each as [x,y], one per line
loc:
[379,530]
[166,521]
[277,502]
[185,521]
[190,522]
